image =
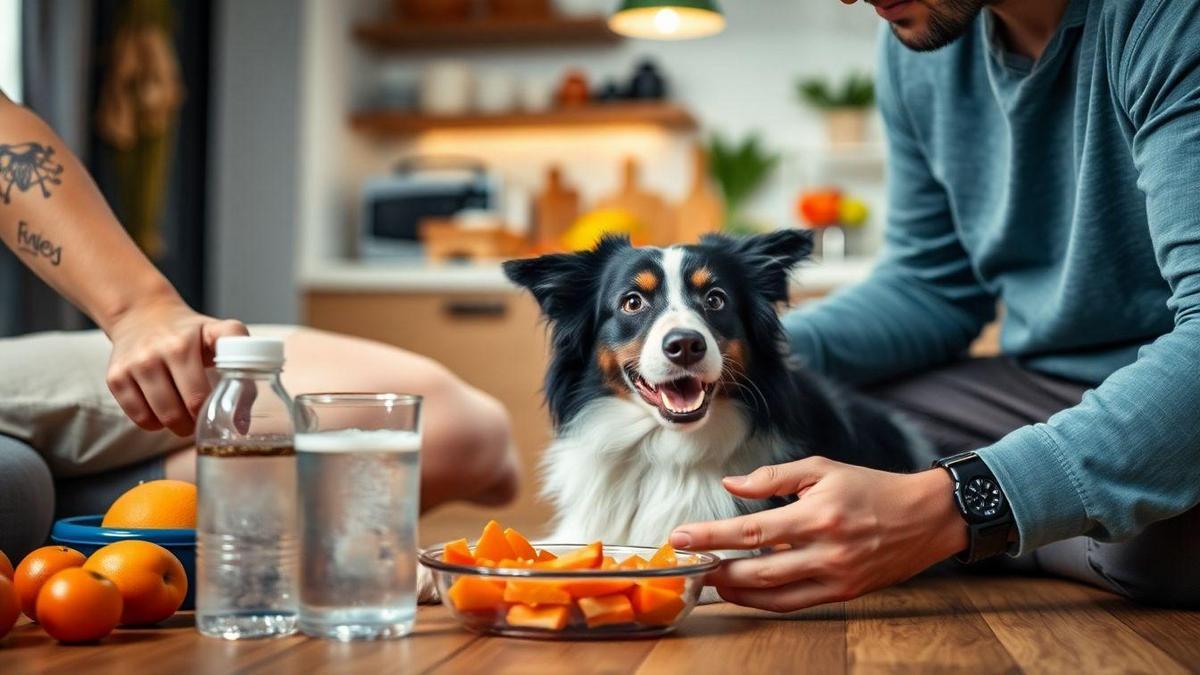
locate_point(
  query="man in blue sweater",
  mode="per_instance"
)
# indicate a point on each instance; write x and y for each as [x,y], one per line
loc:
[1044,155]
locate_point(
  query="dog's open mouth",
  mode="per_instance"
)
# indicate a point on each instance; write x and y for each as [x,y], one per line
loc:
[682,400]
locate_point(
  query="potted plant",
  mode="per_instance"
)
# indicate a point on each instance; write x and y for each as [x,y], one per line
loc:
[845,106]
[740,169]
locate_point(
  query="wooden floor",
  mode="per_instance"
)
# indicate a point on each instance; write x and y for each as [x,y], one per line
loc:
[977,625]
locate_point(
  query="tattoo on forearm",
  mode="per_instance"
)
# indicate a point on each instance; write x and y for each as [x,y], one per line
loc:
[25,165]
[36,245]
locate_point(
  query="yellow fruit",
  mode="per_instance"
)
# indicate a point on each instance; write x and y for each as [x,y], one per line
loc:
[158,504]
[590,227]
[853,212]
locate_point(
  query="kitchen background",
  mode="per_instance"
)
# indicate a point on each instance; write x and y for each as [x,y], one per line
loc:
[273,193]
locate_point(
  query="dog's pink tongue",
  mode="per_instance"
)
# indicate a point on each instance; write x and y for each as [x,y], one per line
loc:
[683,394]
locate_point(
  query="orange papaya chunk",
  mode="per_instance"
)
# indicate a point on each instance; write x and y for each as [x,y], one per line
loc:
[492,545]
[655,606]
[675,584]
[589,588]
[536,593]
[606,610]
[475,594]
[633,562]
[663,557]
[520,545]
[549,618]
[584,558]
[458,553]
[608,563]
[545,556]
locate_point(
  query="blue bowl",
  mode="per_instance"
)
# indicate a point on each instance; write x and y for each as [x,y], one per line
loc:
[84,534]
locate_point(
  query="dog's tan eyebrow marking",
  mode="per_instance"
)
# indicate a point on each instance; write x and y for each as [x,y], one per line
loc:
[701,276]
[646,280]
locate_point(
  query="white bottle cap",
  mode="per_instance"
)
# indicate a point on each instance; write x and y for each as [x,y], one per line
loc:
[253,353]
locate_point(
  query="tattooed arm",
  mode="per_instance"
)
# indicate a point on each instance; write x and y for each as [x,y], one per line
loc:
[54,219]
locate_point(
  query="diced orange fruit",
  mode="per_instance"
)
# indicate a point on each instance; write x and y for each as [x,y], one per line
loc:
[476,594]
[655,606]
[633,562]
[492,545]
[584,558]
[608,563]
[606,610]
[545,556]
[549,618]
[520,545]
[536,593]
[664,557]
[458,553]
[587,588]
[675,584]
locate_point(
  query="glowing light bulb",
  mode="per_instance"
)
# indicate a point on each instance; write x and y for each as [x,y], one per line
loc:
[667,21]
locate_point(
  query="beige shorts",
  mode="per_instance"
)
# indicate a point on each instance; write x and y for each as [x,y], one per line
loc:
[53,397]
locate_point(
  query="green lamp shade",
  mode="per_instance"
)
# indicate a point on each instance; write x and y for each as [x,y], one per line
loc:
[667,19]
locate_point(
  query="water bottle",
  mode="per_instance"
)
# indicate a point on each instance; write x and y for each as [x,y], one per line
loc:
[247,568]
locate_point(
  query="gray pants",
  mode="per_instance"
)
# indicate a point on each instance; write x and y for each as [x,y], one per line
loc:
[30,498]
[974,403]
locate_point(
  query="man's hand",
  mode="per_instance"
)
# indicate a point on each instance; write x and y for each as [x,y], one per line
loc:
[160,351]
[853,530]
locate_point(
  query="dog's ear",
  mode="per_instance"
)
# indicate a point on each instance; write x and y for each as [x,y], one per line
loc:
[563,282]
[768,258]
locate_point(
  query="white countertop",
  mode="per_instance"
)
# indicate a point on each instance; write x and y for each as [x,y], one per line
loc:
[380,277]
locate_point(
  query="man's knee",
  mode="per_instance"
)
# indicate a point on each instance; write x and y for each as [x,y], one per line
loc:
[26,499]
[1158,566]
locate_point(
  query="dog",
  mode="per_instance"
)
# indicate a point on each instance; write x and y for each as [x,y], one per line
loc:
[669,370]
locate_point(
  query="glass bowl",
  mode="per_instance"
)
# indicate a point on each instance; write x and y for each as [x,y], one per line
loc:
[603,604]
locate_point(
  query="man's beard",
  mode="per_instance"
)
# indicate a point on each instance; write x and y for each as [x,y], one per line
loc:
[948,20]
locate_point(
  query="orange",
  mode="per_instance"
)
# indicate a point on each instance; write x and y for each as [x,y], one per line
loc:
[157,504]
[78,605]
[36,568]
[520,545]
[606,610]
[492,544]
[475,594]
[151,579]
[588,557]
[655,606]
[9,609]
[550,618]
[458,552]
[6,568]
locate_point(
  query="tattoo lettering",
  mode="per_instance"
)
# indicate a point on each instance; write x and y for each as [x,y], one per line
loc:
[36,245]
[26,165]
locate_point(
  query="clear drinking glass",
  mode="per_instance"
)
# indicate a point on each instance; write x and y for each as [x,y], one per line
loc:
[359,469]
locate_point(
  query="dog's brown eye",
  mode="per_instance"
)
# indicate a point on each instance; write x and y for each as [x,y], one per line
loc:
[715,300]
[633,303]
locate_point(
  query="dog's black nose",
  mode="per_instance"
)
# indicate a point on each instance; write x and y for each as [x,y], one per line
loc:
[684,347]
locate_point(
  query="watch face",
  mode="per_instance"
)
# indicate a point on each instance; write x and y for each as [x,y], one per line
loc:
[982,498]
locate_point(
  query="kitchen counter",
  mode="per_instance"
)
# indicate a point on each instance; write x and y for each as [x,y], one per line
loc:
[345,275]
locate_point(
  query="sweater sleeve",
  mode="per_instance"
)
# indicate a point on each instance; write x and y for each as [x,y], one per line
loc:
[1129,454]
[922,304]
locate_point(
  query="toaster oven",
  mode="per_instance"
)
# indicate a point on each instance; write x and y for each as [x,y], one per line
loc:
[395,205]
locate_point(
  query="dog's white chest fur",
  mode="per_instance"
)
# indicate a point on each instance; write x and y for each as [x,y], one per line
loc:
[620,476]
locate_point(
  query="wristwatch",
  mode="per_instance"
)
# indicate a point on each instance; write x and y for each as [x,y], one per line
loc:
[990,524]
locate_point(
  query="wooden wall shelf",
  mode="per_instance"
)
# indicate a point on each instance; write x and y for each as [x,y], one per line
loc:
[396,34]
[665,115]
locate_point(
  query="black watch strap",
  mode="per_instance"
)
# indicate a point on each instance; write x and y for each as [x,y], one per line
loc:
[982,504]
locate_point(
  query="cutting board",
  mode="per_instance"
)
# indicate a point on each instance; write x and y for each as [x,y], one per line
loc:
[652,211]
[554,211]
[702,211]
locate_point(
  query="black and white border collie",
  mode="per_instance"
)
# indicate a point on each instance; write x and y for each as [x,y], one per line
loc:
[670,370]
